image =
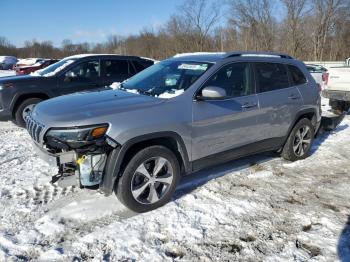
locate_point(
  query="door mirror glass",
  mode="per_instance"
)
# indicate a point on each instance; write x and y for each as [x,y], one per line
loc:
[213,92]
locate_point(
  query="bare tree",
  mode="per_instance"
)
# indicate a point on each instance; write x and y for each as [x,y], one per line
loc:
[199,18]
[294,35]
[325,14]
[255,23]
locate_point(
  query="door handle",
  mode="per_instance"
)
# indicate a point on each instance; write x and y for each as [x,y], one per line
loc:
[293,97]
[249,105]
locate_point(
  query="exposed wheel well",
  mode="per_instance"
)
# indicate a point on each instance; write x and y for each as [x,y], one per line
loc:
[22,98]
[309,115]
[168,142]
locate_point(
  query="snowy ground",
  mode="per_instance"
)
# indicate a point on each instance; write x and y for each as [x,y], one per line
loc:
[7,73]
[260,208]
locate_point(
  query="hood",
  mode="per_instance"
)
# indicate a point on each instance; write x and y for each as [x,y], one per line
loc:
[89,108]
[19,79]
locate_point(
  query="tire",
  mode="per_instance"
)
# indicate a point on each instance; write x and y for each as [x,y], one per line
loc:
[19,120]
[134,189]
[293,149]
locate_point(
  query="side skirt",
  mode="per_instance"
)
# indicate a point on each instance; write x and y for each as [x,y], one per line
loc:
[229,155]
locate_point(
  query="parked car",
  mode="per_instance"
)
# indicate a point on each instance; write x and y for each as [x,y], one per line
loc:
[337,88]
[178,116]
[27,62]
[25,70]
[317,67]
[7,62]
[19,94]
[319,73]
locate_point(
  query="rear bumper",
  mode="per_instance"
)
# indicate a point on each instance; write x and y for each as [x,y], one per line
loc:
[336,95]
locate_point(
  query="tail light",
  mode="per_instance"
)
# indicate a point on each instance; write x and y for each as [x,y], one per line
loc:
[325,76]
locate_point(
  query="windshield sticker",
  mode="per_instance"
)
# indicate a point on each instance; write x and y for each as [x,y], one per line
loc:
[202,67]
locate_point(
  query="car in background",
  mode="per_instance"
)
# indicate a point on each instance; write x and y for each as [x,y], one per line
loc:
[25,70]
[337,87]
[27,62]
[319,73]
[7,62]
[19,94]
[317,67]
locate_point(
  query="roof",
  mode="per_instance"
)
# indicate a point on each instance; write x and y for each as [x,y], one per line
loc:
[108,55]
[217,56]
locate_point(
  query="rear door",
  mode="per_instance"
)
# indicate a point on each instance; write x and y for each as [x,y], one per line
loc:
[80,77]
[279,99]
[222,125]
[115,70]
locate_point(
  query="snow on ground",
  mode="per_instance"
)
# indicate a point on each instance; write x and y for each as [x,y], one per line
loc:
[4,73]
[259,208]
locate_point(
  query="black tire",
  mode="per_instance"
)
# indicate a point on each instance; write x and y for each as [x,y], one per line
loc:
[19,112]
[293,140]
[123,189]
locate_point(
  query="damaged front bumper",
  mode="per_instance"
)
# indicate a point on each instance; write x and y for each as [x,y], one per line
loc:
[84,167]
[54,159]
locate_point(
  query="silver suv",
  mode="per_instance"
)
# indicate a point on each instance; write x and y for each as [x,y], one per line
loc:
[178,116]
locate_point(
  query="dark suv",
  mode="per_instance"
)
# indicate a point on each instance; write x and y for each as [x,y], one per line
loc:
[18,94]
[176,117]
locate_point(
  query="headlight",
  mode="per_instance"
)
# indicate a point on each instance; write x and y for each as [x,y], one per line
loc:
[83,134]
[0,87]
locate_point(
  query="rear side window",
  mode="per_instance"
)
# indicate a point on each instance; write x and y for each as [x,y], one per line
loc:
[271,76]
[116,67]
[298,78]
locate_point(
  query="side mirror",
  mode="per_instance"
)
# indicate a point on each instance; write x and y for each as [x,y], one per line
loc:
[212,92]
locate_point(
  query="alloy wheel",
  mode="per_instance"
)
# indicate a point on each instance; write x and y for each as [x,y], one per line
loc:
[302,140]
[27,110]
[152,180]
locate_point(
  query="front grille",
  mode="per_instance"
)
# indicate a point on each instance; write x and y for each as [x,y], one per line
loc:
[34,128]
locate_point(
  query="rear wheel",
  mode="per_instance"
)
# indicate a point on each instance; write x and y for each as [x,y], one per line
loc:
[149,179]
[299,142]
[24,109]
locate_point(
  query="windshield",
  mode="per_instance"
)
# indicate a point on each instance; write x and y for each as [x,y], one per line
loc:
[166,79]
[55,68]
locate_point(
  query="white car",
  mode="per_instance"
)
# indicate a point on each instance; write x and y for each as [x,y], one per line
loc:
[7,62]
[337,87]
[319,73]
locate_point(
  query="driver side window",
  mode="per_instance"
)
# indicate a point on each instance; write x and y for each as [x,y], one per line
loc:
[89,70]
[234,78]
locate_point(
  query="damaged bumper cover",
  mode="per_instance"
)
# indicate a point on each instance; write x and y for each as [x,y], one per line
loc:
[54,159]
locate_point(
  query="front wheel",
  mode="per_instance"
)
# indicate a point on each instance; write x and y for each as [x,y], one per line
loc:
[149,179]
[299,142]
[24,109]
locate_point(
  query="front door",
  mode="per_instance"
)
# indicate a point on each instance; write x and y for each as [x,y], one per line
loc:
[222,125]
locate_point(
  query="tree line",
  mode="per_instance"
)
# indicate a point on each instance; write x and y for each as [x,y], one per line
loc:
[316,30]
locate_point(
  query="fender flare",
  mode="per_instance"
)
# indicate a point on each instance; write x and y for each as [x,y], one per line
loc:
[116,157]
[297,117]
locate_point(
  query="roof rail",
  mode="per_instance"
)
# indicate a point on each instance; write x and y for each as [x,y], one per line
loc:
[259,54]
